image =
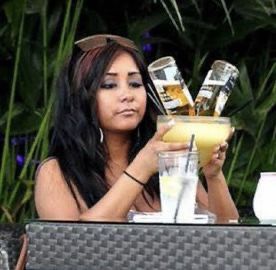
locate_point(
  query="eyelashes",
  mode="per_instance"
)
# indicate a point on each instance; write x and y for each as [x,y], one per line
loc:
[136,84]
[107,86]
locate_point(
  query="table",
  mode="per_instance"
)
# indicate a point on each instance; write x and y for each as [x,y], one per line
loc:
[95,245]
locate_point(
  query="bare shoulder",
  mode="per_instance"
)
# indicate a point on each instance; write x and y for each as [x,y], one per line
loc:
[48,167]
[53,198]
[49,175]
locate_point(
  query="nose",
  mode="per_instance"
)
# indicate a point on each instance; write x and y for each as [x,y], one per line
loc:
[126,94]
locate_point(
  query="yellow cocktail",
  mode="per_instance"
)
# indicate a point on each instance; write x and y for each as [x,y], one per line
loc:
[209,131]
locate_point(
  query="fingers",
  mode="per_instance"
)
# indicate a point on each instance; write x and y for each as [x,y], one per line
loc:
[160,146]
[220,151]
[172,147]
[223,147]
[163,129]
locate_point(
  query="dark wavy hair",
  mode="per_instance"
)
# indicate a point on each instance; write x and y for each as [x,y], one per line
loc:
[76,136]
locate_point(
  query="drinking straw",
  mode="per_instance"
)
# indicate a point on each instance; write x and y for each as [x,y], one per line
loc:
[189,152]
[186,169]
[156,95]
[156,100]
[161,110]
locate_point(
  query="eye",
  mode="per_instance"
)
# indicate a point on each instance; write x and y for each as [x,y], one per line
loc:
[108,85]
[135,84]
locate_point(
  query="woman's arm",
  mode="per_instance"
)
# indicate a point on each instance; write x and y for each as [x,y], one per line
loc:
[54,200]
[120,198]
[219,198]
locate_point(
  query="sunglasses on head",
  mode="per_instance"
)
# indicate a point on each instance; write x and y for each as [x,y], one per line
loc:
[97,41]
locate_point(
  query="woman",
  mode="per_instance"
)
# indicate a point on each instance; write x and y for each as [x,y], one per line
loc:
[104,147]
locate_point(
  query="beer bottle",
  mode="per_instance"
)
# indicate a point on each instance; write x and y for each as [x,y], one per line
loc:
[171,87]
[216,88]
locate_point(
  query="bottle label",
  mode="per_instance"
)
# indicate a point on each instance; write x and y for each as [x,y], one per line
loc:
[175,99]
[221,100]
[170,105]
[205,91]
[230,84]
[209,80]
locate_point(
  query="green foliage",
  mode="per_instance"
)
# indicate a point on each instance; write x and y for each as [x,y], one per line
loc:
[37,63]
[36,36]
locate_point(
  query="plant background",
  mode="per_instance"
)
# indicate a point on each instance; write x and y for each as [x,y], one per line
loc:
[36,37]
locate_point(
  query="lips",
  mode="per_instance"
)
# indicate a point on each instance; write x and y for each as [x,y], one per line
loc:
[127,111]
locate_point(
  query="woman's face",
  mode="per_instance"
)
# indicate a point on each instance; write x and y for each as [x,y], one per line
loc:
[121,98]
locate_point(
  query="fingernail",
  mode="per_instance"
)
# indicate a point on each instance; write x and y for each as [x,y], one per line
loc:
[171,123]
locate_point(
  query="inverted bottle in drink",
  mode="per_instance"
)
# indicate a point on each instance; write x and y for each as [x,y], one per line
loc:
[216,88]
[171,87]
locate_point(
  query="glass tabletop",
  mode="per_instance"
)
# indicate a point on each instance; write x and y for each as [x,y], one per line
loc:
[200,217]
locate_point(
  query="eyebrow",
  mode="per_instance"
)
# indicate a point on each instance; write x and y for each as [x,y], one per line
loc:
[129,73]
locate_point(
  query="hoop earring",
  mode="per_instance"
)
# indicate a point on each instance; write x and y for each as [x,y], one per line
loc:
[101,135]
[138,135]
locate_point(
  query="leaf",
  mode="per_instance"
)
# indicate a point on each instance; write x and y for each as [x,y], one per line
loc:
[267,77]
[249,185]
[13,196]
[26,122]
[265,153]
[35,6]
[246,119]
[17,109]
[255,8]
[7,213]
[13,11]
[245,84]
[171,16]
[190,21]
[221,37]
[268,103]
[30,76]
[53,18]
[138,27]
[94,23]
[228,16]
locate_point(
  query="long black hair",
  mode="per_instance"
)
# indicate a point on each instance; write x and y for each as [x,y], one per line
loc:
[76,134]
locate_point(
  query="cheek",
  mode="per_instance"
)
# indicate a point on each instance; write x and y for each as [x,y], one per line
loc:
[143,103]
[102,106]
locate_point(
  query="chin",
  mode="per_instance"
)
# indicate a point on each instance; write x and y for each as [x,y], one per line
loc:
[126,128]
[127,124]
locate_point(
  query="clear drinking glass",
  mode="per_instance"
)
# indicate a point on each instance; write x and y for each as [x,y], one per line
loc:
[178,177]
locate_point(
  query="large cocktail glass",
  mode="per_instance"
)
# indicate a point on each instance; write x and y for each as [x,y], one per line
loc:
[209,131]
